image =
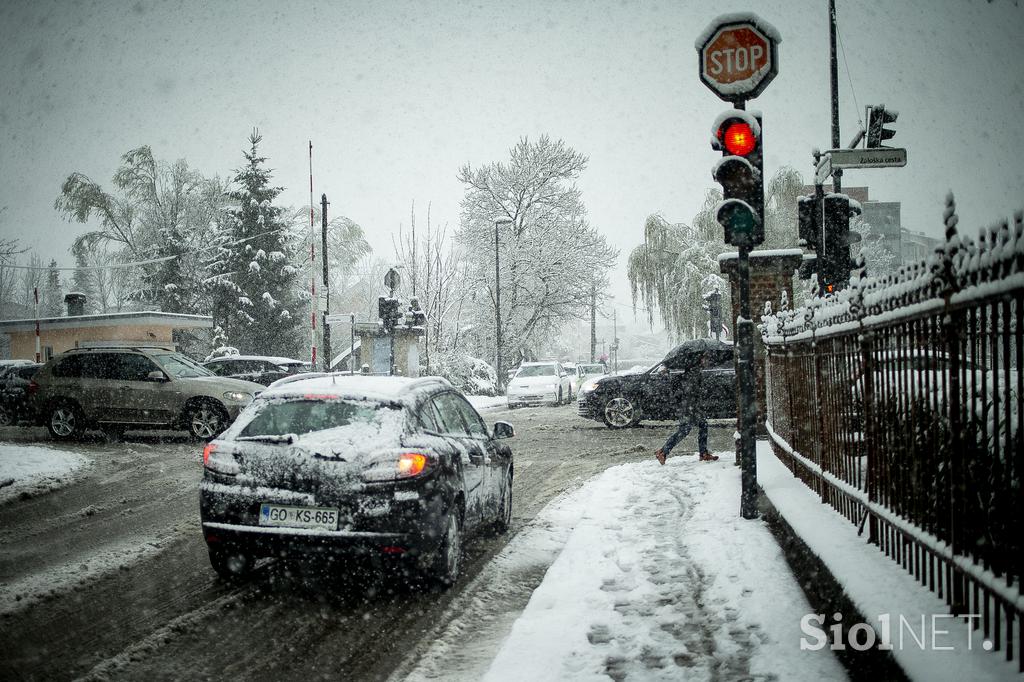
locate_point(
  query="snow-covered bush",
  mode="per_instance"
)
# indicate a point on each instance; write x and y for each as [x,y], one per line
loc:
[221,352]
[470,375]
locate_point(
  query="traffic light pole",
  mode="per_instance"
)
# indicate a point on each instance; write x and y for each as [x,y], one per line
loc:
[745,378]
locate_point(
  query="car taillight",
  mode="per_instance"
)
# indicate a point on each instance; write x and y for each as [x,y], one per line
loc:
[411,464]
[221,459]
[33,387]
[392,466]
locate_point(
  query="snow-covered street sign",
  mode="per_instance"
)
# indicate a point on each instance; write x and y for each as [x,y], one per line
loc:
[738,56]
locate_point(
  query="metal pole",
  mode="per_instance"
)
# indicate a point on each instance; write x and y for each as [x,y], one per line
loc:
[745,378]
[593,323]
[352,343]
[615,337]
[39,348]
[327,289]
[312,267]
[837,175]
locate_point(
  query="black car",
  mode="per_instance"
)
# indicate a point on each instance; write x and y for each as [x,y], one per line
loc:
[15,398]
[656,393]
[355,467]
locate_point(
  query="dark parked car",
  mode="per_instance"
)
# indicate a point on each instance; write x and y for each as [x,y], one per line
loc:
[14,393]
[623,400]
[116,389]
[352,467]
[259,368]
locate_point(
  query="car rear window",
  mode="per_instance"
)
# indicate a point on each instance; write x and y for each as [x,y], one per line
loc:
[277,417]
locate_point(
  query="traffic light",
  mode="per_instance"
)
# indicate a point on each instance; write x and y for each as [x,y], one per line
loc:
[737,135]
[808,212]
[835,263]
[878,118]
[388,311]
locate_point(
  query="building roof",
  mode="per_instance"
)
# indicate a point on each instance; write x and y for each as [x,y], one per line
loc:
[145,317]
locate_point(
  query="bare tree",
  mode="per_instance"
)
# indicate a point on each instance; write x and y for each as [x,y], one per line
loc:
[546,253]
[436,272]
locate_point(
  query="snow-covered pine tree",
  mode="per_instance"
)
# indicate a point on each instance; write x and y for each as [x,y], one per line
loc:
[255,297]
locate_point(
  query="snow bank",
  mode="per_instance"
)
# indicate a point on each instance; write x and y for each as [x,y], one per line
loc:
[486,402]
[27,470]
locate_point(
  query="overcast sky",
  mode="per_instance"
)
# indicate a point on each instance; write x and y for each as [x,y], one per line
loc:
[396,95]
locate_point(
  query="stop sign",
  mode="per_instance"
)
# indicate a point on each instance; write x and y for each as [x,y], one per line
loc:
[738,56]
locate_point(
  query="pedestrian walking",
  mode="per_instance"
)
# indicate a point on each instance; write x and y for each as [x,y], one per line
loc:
[692,414]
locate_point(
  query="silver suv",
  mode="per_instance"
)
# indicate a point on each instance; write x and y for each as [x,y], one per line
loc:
[115,389]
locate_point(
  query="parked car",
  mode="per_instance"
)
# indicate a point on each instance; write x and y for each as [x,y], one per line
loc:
[263,369]
[14,392]
[591,371]
[623,400]
[572,370]
[355,466]
[116,389]
[538,383]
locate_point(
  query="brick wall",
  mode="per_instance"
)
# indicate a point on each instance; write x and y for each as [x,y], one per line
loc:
[771,273]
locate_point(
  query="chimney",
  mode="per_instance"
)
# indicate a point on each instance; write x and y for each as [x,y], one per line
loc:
[76,304]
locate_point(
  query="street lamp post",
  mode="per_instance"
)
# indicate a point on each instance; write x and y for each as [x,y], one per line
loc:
[497,302]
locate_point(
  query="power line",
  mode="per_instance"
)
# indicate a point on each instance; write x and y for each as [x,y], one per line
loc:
[846,64]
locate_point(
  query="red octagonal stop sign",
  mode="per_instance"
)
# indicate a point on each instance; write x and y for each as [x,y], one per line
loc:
[738,56]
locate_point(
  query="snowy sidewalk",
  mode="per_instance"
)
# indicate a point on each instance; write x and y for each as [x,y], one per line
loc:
[658,579]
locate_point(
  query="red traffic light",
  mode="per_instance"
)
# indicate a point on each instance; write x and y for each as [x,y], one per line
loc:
[737,137]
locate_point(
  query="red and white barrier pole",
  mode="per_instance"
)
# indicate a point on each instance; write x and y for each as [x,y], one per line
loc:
[39,348]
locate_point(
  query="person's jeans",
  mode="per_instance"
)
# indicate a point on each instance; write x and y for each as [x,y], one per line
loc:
[683,430]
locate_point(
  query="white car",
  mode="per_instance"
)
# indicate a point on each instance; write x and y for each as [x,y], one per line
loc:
[539,383]
[575,373]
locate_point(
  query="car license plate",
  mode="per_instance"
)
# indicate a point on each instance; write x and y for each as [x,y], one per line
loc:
[298,517]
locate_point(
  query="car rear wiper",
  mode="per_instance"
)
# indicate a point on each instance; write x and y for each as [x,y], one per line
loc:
[286,438]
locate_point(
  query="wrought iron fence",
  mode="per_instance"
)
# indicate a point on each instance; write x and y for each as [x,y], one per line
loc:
[899,401]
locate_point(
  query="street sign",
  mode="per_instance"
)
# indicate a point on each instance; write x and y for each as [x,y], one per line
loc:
[338,319]
[392,279]
[882,157]
[738,56]
[824,169]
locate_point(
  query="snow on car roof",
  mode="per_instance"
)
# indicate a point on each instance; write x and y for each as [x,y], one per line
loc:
[275,359]
[379,388]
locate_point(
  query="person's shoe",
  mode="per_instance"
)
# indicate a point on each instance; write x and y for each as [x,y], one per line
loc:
[708,457]
[659,454]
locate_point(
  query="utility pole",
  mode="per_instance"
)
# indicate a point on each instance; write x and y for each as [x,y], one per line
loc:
[837,174]
[593,323]
[615,337]
[327,289]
